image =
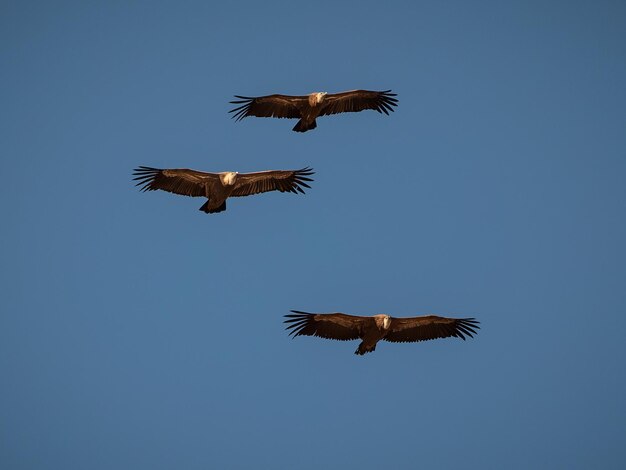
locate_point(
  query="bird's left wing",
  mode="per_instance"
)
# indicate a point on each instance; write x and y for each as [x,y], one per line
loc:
[272,180]
[359,100]
[405,330]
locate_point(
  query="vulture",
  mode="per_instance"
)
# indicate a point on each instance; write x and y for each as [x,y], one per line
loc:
[307,108]
[372,329]
[217,187]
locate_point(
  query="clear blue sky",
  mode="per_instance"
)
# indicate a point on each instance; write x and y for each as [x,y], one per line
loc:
[137,332]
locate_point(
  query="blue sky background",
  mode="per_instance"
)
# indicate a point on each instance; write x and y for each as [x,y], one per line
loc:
[138,332]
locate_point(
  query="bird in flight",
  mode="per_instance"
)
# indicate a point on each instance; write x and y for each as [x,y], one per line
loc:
[217,187]
[370,330]
[308,107]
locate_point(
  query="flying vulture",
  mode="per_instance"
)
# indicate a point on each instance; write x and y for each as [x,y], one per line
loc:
[370,330]
[217,187]
[307,108]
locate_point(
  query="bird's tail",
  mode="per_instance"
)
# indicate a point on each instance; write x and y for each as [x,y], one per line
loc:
[206,208]
[302,126]
[363,349]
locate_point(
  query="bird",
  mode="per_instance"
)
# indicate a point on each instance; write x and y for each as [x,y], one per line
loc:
[371,329]
[217,187]
[308,107]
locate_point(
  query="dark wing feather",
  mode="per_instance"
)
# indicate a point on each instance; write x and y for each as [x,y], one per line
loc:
[179,181]
[409,330]
[273,180]
[359,100]
[278,106]
[337,326]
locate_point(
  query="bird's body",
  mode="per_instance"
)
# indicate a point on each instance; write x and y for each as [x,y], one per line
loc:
[308,108]
[371,330]
[217,187]
[374,334]
[218,190]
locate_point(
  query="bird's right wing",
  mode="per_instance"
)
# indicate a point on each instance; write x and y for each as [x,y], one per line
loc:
[337,326]
[278,106]
[179,181]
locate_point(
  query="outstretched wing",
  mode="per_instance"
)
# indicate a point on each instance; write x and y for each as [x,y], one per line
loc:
[179,181]
[359,100]
[273,180]
[278,106]
[409,330]
[337,326]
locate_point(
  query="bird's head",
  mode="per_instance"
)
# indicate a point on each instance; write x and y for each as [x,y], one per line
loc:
[317,98]
[383,321]
[228,177]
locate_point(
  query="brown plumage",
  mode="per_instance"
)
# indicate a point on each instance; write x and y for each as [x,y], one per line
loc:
[217,187]
[307,108]
[372,329]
